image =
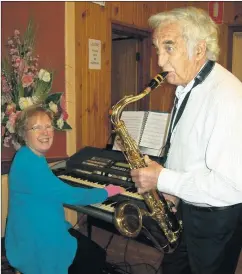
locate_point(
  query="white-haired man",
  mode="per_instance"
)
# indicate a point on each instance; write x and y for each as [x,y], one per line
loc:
[203,152]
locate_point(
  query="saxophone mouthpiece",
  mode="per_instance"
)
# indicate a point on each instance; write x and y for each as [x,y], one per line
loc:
[158,80]
[164,74]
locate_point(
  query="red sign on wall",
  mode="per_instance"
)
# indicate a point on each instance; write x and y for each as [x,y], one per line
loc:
[216,11]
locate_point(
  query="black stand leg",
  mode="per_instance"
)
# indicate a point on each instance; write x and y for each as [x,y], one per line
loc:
[89,228]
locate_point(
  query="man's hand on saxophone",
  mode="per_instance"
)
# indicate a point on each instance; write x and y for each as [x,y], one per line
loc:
[146,179]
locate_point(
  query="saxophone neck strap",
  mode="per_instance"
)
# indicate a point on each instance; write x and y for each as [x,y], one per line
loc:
[202,75]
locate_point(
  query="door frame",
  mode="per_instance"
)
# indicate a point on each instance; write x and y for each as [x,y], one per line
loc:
[231,29]
[144,47]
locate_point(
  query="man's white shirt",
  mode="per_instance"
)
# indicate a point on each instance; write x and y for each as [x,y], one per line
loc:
[204,164]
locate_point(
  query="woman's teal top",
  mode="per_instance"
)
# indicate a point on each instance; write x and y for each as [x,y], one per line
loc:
[37,237]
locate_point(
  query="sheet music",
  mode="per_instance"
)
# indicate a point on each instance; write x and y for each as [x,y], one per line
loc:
[155,130]
[134,124]
[150,151]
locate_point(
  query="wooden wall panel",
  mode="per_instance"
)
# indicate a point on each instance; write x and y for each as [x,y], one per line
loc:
[93,87]
[4,203]
[70,70]
[134,13]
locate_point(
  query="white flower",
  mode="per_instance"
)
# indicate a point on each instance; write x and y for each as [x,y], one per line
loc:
[25,102]
[60,123]
[44,75]
[53,107]
[35,99]
[10,127]
[3,115]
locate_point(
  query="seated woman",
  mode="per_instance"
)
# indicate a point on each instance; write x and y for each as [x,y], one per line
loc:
[38,239]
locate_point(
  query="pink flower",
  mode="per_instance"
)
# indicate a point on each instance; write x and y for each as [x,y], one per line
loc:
[16,32]
[18,60]
[22,67]
[3,78]
[10,42]
[11,121]
[63,107]
[10,109]
[64,115]
[27,80]
[12,51]
[30,73]
[5,86]
[12,118]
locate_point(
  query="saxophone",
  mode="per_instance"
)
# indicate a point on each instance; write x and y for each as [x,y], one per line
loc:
[156,220]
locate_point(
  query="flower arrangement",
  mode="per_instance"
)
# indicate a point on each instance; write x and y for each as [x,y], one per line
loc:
[24,84]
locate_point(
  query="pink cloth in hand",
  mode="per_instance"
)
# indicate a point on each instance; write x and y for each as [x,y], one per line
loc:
[113,190]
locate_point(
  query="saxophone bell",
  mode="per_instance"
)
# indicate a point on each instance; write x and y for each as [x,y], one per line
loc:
[131,221]
[129,218]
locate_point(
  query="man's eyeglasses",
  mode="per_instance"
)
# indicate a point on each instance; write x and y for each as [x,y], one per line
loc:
[39,128]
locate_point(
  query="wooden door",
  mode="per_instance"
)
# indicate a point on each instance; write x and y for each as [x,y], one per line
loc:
[124,70]
[237,57]
[131,54]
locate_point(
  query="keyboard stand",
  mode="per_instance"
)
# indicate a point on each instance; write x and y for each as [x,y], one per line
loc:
[91,221]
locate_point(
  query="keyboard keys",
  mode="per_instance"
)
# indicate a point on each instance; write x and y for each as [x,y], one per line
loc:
[130,192]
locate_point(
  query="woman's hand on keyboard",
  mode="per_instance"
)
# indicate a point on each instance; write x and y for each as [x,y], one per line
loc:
[114,190]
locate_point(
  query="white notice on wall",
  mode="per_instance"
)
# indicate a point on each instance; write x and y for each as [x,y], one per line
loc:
[101,3]
[94,54]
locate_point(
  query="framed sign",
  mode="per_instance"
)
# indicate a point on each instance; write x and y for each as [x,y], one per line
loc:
[94,54]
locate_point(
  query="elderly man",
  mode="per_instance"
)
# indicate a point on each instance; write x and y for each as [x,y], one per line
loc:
[203,152]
